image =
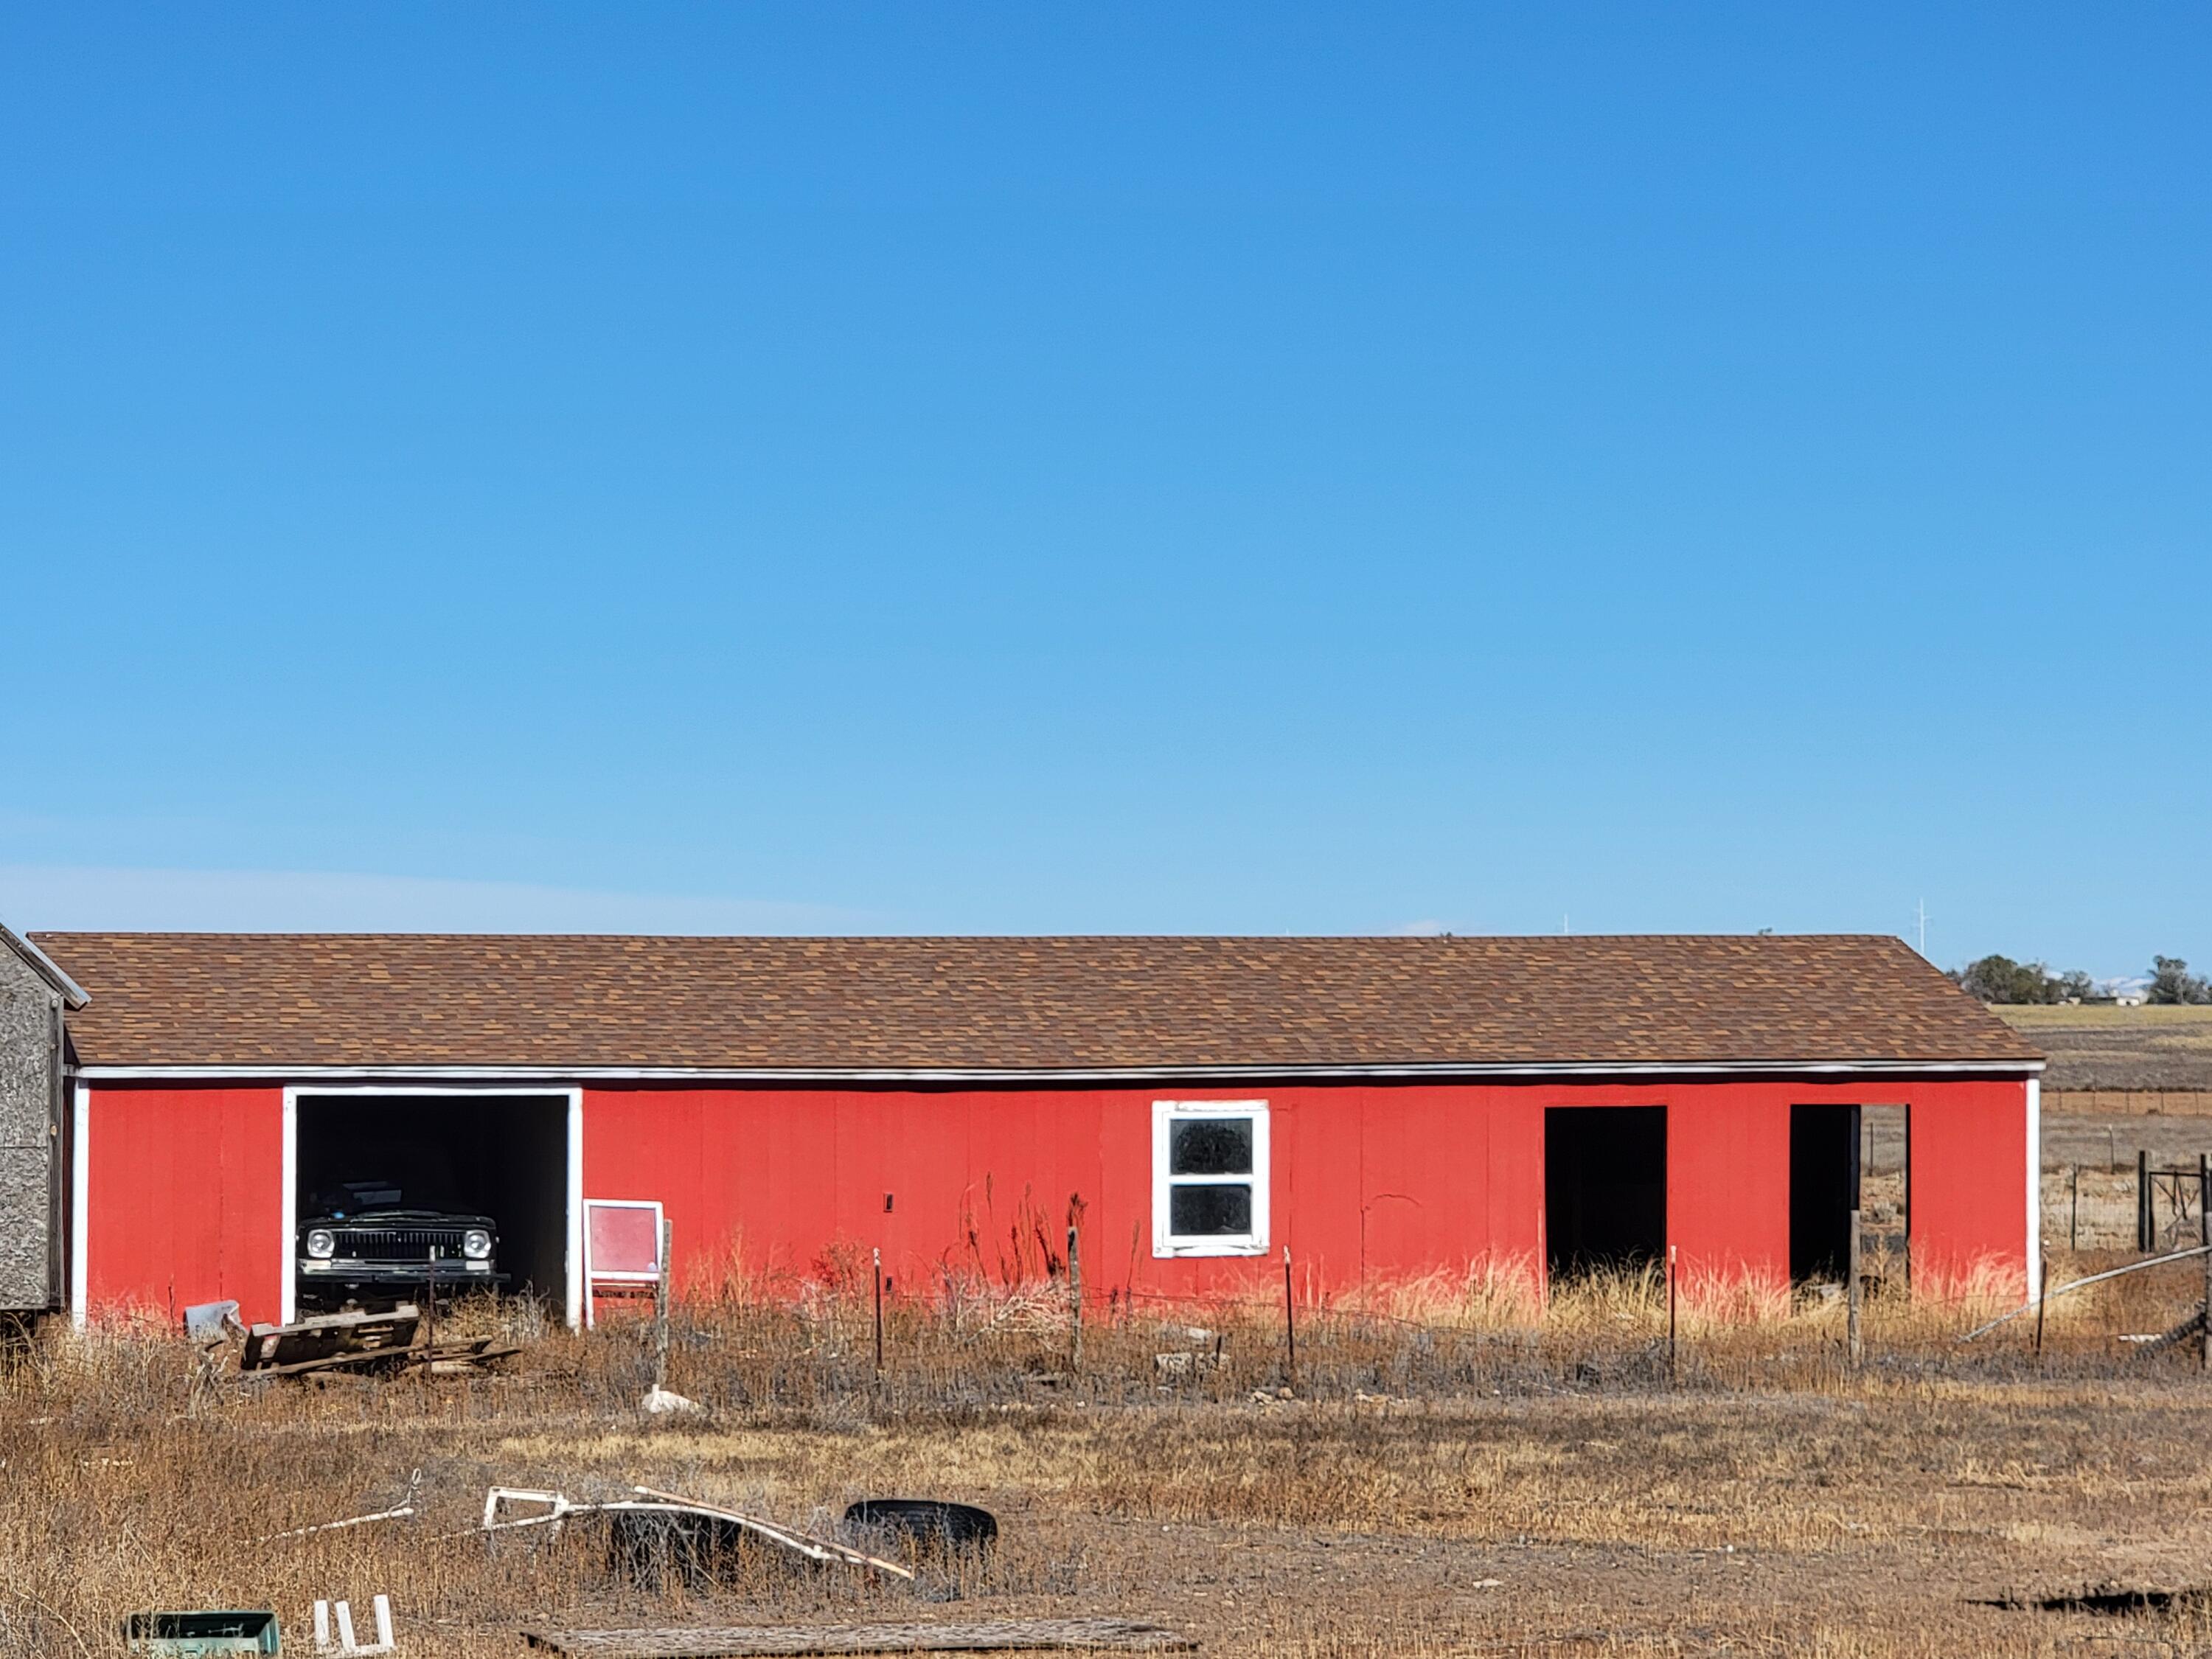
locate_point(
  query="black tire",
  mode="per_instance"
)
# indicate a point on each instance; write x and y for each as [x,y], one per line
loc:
[931,1527]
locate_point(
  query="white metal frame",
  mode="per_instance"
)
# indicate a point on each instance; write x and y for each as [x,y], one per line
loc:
[592,1276]
[572,1265]
[1166,1243]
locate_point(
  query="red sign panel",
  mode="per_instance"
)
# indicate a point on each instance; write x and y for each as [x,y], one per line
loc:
[622,1239]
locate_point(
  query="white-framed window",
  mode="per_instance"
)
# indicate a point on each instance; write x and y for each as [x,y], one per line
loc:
[1209,1178]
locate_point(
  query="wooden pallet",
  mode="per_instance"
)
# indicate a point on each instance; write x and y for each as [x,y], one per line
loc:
[289,1349]
[982,1636]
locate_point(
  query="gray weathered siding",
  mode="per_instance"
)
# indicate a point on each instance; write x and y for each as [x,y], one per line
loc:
[28,1089]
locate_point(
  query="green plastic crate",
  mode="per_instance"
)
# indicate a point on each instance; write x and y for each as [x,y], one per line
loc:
[183,1635]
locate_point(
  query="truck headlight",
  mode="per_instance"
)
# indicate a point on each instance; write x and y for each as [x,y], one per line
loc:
[476,1244]
[322,1243]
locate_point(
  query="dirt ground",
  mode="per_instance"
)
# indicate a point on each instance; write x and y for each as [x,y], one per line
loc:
[1454,1472]
[1469,1482]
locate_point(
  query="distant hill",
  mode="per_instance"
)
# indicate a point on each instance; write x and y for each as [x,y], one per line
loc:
[2118,1049]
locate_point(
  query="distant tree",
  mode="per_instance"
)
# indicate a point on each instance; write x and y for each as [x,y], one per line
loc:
[2172,982]
[2000,979]
[2076,986]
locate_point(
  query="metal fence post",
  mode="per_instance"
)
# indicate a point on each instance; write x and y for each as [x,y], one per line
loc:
[1075,1300]
[1854,1300]
[660,1312]
[2042,1299]
[2204,1237]
[1674,1352]
[2146,1226]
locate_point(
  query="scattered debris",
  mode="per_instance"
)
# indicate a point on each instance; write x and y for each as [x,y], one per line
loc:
[211,1326]
[360,1341]
[213,1322]
[932,1528]
[379,1607]
[990,1636]
[327,1337]
[657,1529]
[553,1507]
[2056,1290]
[2188,1329]
[660,1402]
[404,1511]
[2107,1598]
[201,1633]
[822,1550]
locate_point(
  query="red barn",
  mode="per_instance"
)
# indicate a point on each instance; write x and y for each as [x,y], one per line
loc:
[1382,1108]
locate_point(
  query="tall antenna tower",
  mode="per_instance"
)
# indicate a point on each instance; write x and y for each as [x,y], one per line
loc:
[1921,916]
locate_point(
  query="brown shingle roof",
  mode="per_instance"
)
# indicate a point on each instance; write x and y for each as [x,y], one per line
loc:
[591,1001]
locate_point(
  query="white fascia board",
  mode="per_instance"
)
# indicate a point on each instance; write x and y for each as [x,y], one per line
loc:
[46,967]
[1439,1070]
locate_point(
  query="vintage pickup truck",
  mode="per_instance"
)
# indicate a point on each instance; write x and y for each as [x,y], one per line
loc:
[366,1244]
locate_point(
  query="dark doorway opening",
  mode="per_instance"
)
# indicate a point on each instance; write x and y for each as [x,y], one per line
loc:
[503,1155]
[1605,1188]
[1824,1190]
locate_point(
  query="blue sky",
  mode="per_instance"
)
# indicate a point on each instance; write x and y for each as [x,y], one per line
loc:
[1044,468]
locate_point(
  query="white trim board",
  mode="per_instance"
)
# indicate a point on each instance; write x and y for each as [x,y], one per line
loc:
[512,1076]
[80,1205]
[572,1264]
[1167,1243]
[2034,1189]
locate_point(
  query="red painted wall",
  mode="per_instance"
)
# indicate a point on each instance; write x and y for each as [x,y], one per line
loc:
[1728,1184]
[186,1194]
[1969,1191]
[1372,1184]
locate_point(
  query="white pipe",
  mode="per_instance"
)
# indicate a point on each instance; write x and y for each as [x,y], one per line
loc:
[2028,1306]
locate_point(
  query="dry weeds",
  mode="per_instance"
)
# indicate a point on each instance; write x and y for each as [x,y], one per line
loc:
[1456,1474]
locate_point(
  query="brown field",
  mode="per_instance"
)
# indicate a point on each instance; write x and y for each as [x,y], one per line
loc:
[1454,1476]
[2119,1050]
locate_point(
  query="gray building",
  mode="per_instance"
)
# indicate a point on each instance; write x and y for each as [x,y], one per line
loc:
[34,1125]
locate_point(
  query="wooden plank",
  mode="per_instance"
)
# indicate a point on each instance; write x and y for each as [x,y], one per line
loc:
[455,1357]
[272,1347]
[982,1636]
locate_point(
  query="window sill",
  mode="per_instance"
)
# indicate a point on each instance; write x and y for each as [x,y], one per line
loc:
[1169,1250]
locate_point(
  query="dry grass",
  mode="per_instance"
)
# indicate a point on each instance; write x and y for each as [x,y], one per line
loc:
[1764,1499]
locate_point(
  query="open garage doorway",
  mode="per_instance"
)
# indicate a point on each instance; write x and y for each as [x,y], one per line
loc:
[414,1170]
[1605,1188]
[1824,1190]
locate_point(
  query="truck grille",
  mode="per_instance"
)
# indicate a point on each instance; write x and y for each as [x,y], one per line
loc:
[398,1243]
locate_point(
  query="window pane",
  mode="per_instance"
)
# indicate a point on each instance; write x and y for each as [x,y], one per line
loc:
[1207,1212]
[1210,1145]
